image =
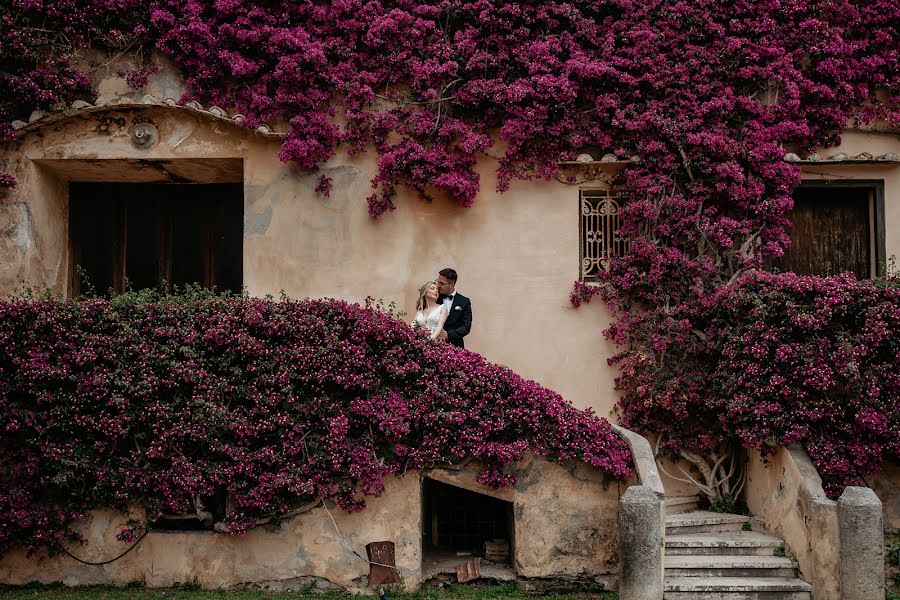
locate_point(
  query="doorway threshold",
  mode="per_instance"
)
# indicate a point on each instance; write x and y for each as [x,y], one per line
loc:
[444,562]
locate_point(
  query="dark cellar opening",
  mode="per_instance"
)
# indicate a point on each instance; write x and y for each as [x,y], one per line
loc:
[457,522]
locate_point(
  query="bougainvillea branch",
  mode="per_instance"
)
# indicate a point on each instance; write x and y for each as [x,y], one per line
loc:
[768,360]
[172,402]
[708,94]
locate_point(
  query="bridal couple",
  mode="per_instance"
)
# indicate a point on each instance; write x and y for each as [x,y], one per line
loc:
[443,312]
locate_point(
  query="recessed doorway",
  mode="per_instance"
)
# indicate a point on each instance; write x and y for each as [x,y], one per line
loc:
[461,525]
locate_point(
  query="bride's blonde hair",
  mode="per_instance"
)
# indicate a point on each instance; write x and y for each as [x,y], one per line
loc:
[420,303]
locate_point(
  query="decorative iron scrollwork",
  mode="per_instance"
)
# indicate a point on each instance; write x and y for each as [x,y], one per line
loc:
[600,222]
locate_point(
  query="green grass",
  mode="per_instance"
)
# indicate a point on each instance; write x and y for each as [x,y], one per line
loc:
[453,592]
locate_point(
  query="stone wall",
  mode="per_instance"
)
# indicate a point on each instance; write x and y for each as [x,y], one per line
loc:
[886,485]
[565,525]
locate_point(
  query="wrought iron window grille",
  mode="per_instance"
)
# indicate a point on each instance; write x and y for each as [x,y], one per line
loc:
[599,224]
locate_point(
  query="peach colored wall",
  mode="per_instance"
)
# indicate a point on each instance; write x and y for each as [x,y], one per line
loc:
[565,525]
[785,495]
[303,549]
[565,517]
[517,253]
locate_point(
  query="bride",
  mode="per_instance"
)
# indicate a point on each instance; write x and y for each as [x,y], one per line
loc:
[430,314]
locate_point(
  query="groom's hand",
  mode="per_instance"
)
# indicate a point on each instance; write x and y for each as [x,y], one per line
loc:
[442,335]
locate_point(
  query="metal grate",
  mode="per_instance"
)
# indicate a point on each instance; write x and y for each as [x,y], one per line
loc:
[599,230]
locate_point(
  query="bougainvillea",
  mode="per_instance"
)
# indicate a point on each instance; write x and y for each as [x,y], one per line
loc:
[709,95]
[171,402]
[705,92]
[774,359]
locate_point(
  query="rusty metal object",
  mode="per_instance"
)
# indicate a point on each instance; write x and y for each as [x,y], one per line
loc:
[469,570]
[382,568]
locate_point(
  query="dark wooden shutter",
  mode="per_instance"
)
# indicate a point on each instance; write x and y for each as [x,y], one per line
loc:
[153,233]
[831,232]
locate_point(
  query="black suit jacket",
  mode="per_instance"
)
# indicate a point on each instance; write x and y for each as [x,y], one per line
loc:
[459,321]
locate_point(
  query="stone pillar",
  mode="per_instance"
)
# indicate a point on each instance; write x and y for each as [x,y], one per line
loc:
[641,522]
[862,545]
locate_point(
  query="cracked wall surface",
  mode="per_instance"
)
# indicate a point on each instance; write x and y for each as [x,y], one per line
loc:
[522,243]
[565,520]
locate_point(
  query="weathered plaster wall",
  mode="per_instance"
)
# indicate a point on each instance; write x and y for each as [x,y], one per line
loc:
[33,226]
[886,485]
[566,517]
[304,546]
[97,147]
[784,493]
[565,526]
[517,253]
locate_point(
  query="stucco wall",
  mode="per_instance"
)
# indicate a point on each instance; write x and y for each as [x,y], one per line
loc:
[785,495]
[566,517]
[517,253]
[565,525]
[304,546]
[886,485]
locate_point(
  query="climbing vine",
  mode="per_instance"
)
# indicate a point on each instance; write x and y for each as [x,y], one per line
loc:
[768,360]
[708,94]
[171,402]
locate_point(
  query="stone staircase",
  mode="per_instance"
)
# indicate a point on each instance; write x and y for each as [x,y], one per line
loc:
[710,557]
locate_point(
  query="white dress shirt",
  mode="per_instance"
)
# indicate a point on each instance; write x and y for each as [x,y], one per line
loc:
[448,301]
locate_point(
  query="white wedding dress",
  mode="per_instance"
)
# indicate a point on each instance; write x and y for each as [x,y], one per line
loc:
[430,322]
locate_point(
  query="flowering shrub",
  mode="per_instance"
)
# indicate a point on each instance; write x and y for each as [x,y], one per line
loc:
[708,94]
[772,359]
[168,403]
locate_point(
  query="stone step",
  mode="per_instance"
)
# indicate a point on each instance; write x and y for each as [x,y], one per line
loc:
[737,596]
[729,566]
[732,543]
[701,521]
[681,504]
[736,588]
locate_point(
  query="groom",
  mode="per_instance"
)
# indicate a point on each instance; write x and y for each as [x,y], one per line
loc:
[459,319]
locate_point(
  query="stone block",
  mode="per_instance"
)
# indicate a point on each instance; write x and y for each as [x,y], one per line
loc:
[640,545]
[862,545]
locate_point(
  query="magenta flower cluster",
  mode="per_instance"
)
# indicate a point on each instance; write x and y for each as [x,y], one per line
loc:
[769,360]
[707,94]
[275,404]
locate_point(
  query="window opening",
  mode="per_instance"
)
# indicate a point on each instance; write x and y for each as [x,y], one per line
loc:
[835,229]
[147,234]
[599,230]
[213,510]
